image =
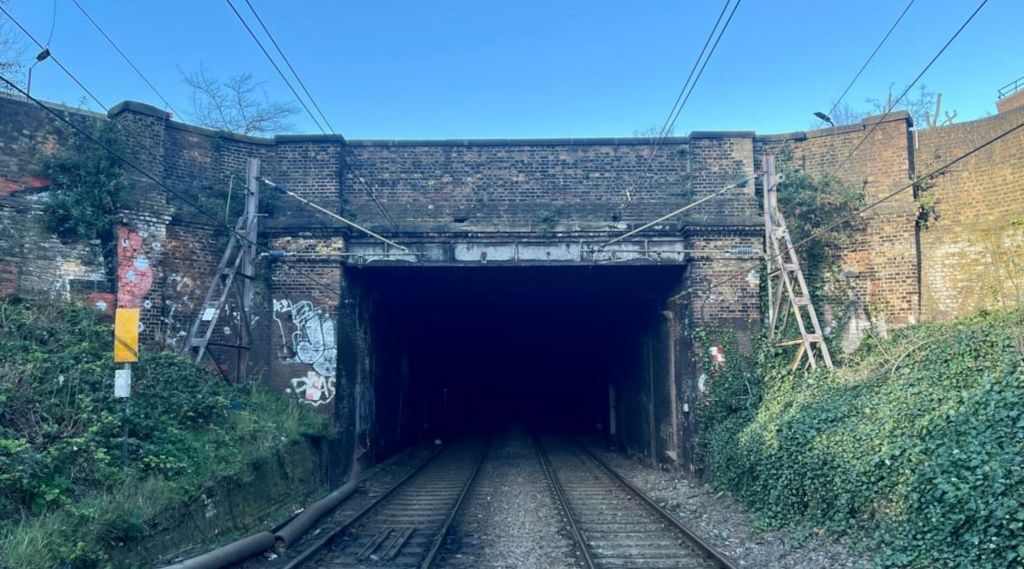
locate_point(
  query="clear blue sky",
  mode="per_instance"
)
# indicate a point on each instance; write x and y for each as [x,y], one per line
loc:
[538,68]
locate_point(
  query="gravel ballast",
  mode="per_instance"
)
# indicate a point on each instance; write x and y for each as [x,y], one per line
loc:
[510,519]
[728,526]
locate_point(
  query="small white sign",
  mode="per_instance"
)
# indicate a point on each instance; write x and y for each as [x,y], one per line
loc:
[208,314]
[122,383]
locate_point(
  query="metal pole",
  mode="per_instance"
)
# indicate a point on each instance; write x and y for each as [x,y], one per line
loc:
[124,425]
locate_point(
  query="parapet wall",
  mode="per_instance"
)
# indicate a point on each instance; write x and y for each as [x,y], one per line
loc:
[880,264]
[972,248]
[898,272]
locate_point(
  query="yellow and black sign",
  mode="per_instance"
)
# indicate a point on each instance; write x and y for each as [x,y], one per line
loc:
[126,335]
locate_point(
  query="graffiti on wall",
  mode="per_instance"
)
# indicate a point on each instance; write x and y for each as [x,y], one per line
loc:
[134,271]
[178,306]
[307,337]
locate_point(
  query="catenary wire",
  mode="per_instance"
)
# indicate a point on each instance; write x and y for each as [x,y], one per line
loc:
[302,84]
[892,106]
[53,57]
[870,58]
[124,56]
[669,123]
[131,164]
[276,67]
[289,64]
[817,233]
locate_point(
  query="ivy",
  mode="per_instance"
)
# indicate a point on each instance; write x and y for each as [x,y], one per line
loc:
[916,447]
[87,189]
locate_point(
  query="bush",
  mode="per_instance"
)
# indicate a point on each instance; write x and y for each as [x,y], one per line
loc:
[64,492]
[916,448]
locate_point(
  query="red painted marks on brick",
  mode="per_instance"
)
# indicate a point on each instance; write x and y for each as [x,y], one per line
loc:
[8,187]
[102,302]
[134,272]
[9,273]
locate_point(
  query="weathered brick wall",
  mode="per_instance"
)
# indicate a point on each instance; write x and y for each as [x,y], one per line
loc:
[880,264]
[972,250]
[454,184]
[33,262]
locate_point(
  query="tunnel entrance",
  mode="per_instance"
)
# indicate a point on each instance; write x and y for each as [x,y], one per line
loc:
[472,349]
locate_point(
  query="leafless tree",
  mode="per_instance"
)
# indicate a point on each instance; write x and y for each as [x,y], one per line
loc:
[237,104]
[11,51]
[653,132]
[845,114]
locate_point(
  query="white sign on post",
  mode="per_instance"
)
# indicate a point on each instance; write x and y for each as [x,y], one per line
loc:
[122,383]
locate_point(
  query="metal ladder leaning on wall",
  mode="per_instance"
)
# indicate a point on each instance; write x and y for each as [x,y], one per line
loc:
[231,281]
[787,288]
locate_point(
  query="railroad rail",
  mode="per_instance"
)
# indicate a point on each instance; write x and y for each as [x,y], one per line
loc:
[405,526]
[614,523]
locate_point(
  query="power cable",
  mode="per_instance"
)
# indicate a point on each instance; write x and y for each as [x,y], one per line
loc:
[276,67]
[53,57]
[216,220]
[53,24]
[366,189]
[289,64]
[125,57]
[817,233]
[870,57]
[892,106]
[684,93]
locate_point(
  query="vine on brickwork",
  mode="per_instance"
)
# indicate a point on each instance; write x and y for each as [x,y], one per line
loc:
[813,205]
[87,189]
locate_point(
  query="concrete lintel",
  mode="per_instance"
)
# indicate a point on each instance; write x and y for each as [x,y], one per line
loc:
[553,252]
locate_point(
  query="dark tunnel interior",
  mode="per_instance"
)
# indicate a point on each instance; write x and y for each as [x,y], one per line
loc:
[472,349]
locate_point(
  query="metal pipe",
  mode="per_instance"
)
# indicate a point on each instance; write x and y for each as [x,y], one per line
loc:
[231,553]
[305,519]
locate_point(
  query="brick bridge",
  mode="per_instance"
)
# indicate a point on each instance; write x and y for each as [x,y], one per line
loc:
[505,307]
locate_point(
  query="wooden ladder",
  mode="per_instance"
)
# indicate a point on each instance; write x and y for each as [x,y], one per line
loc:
[787,287]
[232,284]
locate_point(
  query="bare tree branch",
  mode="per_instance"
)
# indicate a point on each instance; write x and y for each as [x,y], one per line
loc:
[12,53]
[238,104]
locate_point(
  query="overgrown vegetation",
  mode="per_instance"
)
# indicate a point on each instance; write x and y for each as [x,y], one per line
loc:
[66,498]
[823,206]
[87,189]
[916,448]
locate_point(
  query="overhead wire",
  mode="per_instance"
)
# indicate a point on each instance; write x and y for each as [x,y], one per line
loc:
[892,106]
[53,57]
[370,193]
[284,57]
[276,67]
[867,62]
[124,56]
[818,232]
[684,93]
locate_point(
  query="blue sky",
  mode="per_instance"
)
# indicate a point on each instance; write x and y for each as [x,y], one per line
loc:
[531,68]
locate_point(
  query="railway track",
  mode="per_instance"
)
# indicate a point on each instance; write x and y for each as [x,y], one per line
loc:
[614,524]
[405,526]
